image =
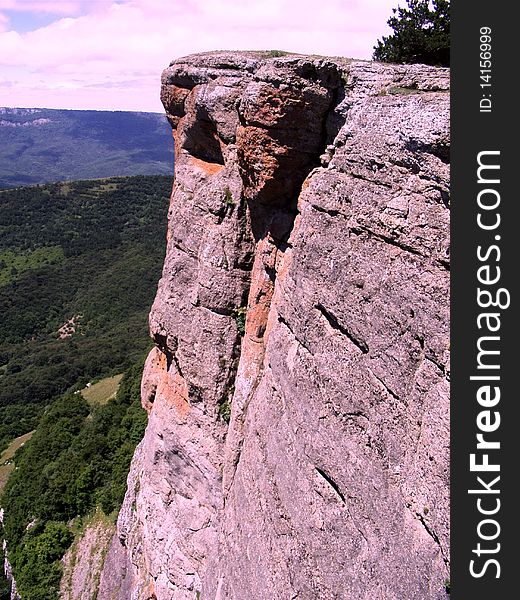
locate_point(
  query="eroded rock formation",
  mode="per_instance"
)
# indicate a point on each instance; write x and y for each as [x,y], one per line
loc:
[303,454]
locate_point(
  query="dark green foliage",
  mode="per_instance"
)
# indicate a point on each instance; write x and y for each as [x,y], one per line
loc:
[38,568]
[224,411]
[5,589]
[41,145]
[240,315]
[111,237]
[276,53]
[78,458]
[421,34]
[228,197]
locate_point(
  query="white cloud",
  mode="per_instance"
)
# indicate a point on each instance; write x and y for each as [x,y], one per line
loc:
[114,43]
[62,7]
[4,22]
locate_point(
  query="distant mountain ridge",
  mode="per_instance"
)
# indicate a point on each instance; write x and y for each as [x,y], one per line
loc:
[39,145]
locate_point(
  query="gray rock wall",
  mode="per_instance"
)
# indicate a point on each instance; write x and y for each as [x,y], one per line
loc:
[304,455]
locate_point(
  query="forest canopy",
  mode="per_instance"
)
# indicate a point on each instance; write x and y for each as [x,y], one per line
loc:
[79,266]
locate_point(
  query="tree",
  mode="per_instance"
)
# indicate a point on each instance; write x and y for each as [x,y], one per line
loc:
[421,34]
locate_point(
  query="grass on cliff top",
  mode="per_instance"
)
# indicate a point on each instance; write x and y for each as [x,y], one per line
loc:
[104,390]
[6,464]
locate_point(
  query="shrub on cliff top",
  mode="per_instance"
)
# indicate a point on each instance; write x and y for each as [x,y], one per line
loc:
[421,34]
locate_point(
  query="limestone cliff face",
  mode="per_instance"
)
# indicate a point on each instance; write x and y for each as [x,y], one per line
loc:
[311,196]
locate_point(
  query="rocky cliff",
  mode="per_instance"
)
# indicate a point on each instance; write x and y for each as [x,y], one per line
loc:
[297,444]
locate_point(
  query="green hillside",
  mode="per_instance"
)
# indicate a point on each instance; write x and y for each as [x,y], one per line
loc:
[46,145]
[75,464]
[79,266]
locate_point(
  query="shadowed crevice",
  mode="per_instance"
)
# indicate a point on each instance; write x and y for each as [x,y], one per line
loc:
[331,482]
[335,324]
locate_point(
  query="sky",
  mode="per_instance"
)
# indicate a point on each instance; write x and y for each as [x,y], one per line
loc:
[109,54]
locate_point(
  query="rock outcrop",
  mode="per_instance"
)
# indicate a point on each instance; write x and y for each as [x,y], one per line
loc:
[84,561]
[297,444]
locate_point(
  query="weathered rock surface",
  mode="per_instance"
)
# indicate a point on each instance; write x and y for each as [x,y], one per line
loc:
[314,192]
[83,563]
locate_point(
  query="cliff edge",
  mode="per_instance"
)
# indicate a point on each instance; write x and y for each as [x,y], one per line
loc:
[298,395]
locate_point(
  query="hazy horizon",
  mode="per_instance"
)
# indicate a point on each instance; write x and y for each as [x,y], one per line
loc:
[151,112]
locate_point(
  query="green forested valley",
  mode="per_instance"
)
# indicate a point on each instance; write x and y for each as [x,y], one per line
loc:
[79,266]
